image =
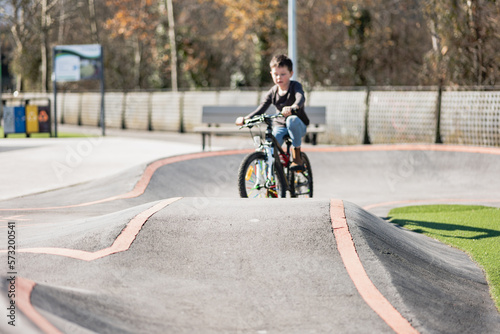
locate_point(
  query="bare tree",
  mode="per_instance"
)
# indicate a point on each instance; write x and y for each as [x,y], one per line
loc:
[173,44]
[221,43]
[46,23]
[93,22]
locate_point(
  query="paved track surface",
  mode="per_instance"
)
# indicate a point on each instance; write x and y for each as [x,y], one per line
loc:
[169,246]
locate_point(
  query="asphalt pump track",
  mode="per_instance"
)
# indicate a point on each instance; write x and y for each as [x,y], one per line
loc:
[171,248]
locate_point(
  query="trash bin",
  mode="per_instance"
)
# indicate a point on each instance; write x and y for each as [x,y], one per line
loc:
[31,119]
[8,121]
[44,125]
[14,120]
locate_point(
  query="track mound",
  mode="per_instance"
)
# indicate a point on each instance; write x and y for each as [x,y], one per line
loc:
[440,286]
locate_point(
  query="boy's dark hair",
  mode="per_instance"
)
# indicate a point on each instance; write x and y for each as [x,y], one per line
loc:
[281,61]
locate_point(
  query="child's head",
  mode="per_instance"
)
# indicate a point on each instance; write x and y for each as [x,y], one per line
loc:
[281,61]
[281,71]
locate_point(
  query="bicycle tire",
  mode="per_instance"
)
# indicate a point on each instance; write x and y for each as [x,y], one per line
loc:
[252,178]
[301,183]
[280,180]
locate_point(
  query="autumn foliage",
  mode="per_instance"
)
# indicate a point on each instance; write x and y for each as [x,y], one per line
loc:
[228,43]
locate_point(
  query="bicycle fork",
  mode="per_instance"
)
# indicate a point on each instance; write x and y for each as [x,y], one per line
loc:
[273,171]
[270,182]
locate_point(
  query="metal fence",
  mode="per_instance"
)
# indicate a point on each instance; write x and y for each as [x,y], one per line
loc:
[471,118]
[378,116]
[402,117]
[345,115]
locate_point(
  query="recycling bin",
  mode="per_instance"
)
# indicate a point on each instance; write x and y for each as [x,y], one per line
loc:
[14,120]
[31,119]
[44,125]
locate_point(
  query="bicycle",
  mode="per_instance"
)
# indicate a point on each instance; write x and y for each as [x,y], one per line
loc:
[266,172]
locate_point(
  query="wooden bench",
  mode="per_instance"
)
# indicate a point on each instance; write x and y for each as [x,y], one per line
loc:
[220,120]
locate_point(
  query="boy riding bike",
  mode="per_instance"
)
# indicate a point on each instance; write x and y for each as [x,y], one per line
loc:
[288,97]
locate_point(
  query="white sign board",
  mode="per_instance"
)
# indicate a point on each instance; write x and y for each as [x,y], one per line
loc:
[77,62]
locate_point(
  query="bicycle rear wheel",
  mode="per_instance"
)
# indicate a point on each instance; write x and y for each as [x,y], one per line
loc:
[252,180]
[302,181]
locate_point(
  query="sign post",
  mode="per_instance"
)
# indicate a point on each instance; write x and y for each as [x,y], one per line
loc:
[75,63]
[1,65]
[292,37]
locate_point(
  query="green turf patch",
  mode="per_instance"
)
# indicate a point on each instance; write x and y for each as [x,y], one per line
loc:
[473,229]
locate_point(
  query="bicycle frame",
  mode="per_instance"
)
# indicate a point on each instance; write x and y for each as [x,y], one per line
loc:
[272,150]
[267,172]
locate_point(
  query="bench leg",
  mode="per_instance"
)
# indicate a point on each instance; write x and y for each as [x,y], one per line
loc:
[204,141]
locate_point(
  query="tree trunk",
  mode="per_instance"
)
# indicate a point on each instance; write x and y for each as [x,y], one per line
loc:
[62,20]
[93,22]
[137,62]
[17,30]
[476,48]
[43,45]
[173,44]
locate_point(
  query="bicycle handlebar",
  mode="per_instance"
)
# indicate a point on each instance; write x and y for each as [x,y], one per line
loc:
[259,119]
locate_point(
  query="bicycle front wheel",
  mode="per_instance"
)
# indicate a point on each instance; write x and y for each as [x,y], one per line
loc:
[253,181]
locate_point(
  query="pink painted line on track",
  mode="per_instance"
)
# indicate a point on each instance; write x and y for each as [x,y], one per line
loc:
[121,243]
[24,288]
[357,273]
[142,184]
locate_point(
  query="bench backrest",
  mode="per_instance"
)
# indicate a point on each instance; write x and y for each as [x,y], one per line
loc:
[228,114]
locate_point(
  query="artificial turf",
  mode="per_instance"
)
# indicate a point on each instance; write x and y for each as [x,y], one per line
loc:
[471,228]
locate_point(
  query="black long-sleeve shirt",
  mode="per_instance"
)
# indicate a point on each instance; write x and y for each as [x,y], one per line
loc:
[294,95]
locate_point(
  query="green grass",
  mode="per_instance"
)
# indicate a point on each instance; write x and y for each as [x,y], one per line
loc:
[473,229]
[44,135]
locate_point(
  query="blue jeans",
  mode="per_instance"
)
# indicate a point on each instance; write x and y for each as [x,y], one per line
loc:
[295,128]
